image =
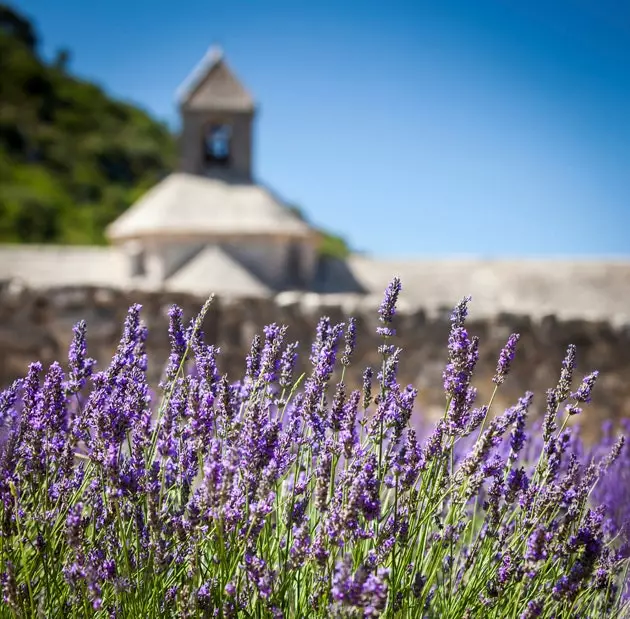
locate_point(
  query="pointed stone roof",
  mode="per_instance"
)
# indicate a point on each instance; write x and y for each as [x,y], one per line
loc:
[212,85]
[214,271]
[187,205]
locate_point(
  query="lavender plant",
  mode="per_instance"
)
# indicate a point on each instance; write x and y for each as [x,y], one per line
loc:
[284,496]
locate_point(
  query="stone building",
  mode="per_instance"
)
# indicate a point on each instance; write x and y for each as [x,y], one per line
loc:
[212,227]
[211,216]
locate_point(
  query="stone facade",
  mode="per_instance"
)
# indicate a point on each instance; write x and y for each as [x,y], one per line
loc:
[37,325]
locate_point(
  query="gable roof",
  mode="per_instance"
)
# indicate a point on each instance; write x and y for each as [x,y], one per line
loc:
[214,271]
[187,205]
[212,85]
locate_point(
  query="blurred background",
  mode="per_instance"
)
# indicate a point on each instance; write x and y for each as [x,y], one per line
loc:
[406,128]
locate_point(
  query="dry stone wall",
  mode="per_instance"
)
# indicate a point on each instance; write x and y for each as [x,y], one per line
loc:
[37,325]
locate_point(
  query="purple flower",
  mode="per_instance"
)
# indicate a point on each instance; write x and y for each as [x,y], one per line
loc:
[299,493]
[390,370]
[367,387]
[270,356]
[337,407]
[506,570]
[518,436]
[350,342]
[374,593]
[489,439]
[457,372]
[410,460]
[433,445]
[74,522]
[80,365]
[505,359]
[206,362]
[204,594]
[517,483]
[322,476]
[583,394]
[321,337]
[463,353]
[130,350]
[534,609]
[301,545]
[399,412]
[259,575]
[287,364]
[538,544]
[387,310]
[361,590]
[460,313]
[54,409]
[363,496]
[549,423]
[178,343]
[327,354]
[344,589]
[253,359]
[566,374]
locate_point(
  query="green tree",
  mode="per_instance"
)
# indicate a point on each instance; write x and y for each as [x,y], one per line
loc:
[332,245]
[71,157]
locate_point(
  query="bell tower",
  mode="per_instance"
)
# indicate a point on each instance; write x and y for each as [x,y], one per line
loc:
[217,121]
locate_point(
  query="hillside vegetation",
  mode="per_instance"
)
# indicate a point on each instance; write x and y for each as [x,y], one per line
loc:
[72,158]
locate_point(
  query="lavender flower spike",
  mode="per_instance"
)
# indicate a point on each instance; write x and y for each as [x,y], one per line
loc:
[583,394]
[79,363]
[350,341]
[387,310]
[287,364]
[177,339]
[566,374]
[505,359]
[367,386]
[460,312]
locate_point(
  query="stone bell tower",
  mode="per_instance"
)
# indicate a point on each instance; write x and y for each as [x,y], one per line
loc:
[217,118]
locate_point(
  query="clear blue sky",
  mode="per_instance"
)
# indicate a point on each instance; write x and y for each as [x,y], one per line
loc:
[485,127]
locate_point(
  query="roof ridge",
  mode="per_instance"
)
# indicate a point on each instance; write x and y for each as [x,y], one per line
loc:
[213,59]
[203,66]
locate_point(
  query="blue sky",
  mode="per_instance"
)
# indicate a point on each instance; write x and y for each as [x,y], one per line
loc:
[451,127]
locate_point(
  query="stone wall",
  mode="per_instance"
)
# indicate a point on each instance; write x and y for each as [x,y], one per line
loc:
[38,325]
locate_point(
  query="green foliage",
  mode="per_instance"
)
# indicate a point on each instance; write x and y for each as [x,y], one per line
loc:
[71,158]
[331,245]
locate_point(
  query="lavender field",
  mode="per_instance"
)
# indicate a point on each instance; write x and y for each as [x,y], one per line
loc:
[277,495]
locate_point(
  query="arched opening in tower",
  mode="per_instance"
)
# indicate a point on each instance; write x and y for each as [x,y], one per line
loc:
[217,145]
